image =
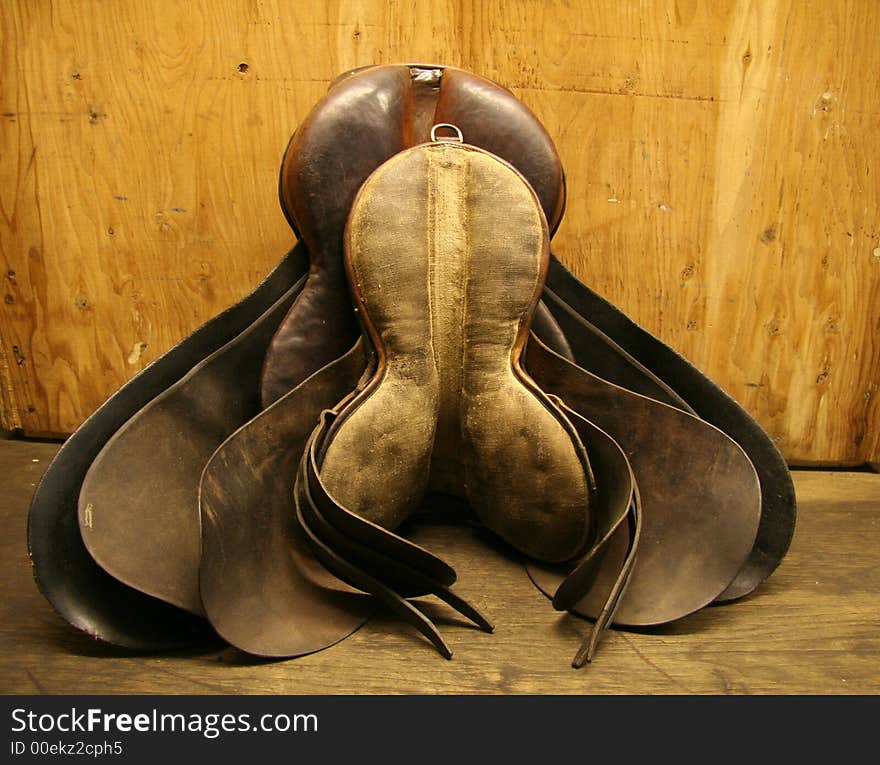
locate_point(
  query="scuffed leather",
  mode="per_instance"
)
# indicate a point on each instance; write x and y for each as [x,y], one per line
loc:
[652,510]
[446,250]
[367,116]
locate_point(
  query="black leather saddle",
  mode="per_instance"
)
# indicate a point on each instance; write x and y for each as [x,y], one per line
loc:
[420,340]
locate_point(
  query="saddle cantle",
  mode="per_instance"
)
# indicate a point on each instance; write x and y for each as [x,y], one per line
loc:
[269,459]
[366,117]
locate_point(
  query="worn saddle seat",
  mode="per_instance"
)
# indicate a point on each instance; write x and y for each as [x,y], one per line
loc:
[446,248]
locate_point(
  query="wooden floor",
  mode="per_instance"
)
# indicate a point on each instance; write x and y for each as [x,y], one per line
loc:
[813,628]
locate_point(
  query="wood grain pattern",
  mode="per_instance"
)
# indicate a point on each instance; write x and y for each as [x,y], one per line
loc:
[812,628]
[721,160]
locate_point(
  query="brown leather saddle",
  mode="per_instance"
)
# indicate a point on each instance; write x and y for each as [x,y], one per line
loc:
[419,340]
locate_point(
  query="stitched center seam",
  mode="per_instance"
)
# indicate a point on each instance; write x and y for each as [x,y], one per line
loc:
[447,267]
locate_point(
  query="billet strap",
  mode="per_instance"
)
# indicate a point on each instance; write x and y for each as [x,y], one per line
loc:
[387,542]
[605,618]
[617,510]
[390,579]
[396,572]
[355,577]
[403,580]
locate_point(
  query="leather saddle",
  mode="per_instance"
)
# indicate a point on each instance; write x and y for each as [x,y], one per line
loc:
[420,339]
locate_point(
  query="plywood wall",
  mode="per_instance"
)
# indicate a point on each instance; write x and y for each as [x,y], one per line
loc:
[722,164]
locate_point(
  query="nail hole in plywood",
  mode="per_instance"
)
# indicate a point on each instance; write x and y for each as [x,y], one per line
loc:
[136,350]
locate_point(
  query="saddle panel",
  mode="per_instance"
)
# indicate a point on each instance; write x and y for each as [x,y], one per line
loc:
[446,251]
[371,464]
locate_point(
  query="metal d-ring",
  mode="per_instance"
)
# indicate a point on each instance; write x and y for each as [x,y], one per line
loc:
[457,137]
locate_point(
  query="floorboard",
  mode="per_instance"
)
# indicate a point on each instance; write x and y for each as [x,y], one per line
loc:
[813,628]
